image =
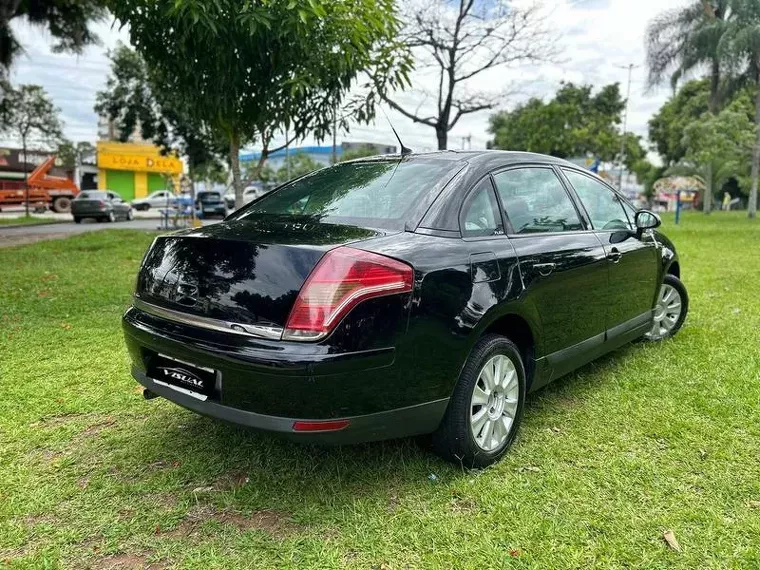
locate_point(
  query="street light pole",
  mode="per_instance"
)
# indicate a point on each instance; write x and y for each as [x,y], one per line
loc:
[630,68]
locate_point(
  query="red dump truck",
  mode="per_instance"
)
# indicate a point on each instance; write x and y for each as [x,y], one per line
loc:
[47,191]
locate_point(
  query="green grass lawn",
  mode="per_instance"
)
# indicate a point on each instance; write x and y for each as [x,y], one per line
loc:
[649,439]
[28,221]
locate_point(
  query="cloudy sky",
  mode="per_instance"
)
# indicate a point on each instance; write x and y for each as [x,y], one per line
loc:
[597,39]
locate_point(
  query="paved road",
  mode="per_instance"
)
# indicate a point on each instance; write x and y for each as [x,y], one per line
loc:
[28,234]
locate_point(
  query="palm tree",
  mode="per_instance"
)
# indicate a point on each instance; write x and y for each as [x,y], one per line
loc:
[685,39]
[740,45]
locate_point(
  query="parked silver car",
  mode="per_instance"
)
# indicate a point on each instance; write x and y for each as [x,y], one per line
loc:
[157,199]
[250,194]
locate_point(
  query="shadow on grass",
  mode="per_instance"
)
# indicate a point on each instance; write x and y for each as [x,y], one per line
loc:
[186,455]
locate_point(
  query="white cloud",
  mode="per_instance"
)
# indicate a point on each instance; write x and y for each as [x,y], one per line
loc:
[597,38]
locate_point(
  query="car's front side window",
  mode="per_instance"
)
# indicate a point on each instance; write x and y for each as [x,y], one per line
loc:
[481,212]
[535,201]
[603,206]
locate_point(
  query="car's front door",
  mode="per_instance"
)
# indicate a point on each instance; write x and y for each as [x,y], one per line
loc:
[563,264]
[633,259]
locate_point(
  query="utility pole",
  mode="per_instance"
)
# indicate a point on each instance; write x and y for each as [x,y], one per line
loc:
[630,67]
[287,155]
[335,135]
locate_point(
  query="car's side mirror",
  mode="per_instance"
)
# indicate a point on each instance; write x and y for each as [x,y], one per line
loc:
[647,220]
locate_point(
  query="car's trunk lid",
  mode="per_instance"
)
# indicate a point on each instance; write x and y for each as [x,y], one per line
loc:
[242,271]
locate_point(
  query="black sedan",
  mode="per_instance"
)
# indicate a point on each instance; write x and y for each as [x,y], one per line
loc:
[102,205]
[396,296]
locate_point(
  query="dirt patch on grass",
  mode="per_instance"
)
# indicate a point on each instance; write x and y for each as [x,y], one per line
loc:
[129,562]
[95,428]
[56,420]
[230,481]
[275,523]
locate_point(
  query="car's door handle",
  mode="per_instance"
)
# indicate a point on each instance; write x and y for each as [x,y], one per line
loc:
[614,256]
[544,269]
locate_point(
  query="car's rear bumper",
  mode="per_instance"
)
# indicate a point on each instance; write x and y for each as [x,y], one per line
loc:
[88,212]
[402,422]
[269,385]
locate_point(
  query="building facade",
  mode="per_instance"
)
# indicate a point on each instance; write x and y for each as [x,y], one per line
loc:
[134,170]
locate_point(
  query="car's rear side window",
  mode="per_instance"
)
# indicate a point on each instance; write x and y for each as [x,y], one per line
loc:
[481,212]
[373,193]
[535,201]
[92,196]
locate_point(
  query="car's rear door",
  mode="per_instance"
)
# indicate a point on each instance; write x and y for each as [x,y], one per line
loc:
[632,258]
[562,262]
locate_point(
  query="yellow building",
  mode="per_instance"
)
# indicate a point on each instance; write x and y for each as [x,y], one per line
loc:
[135,170]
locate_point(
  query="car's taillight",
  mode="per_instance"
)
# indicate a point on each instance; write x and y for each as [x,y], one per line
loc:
[342,279]
[101,204]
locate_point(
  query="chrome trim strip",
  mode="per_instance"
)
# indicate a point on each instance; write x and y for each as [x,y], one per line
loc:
[257,331]
[201,397]
[185,362]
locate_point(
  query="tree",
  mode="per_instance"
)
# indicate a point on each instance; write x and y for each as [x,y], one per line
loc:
[31,116]
[684,39]
[67,22]
[666,127]
[249,70]
[459,41]
[717,146]
[359,152]
[132,101]
[266,174]
[296,165]
[574,123]
[73,155]
[741,45]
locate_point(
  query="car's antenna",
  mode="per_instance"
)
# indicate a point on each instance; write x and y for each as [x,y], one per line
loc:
[404,150]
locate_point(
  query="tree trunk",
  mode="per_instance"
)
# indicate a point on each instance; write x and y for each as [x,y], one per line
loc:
[442,134]
[752,210]
[237,183]
[707,199]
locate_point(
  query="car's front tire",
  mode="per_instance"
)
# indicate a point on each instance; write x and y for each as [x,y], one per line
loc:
[77,220]
[485,410]
[670,310]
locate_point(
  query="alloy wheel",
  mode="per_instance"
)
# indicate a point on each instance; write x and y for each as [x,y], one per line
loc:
[667,311]
[494,401]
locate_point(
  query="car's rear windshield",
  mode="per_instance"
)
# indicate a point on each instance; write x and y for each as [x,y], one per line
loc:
[377,194]
[91,196]
[210,197]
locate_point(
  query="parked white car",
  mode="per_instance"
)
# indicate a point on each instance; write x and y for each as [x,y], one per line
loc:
[249,195]
[157,199]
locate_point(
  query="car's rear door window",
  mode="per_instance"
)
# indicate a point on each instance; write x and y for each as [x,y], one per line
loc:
[535,201]
[370,193]
[604,207]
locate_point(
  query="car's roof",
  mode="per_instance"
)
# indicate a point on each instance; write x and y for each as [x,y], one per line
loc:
[478,158]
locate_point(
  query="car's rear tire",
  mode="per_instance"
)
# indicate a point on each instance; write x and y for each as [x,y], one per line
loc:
[485,410]
[670,310]
[111,217]
[77,220]
[130,215]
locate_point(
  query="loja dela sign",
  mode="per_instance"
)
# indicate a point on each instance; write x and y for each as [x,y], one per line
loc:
[139,163]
